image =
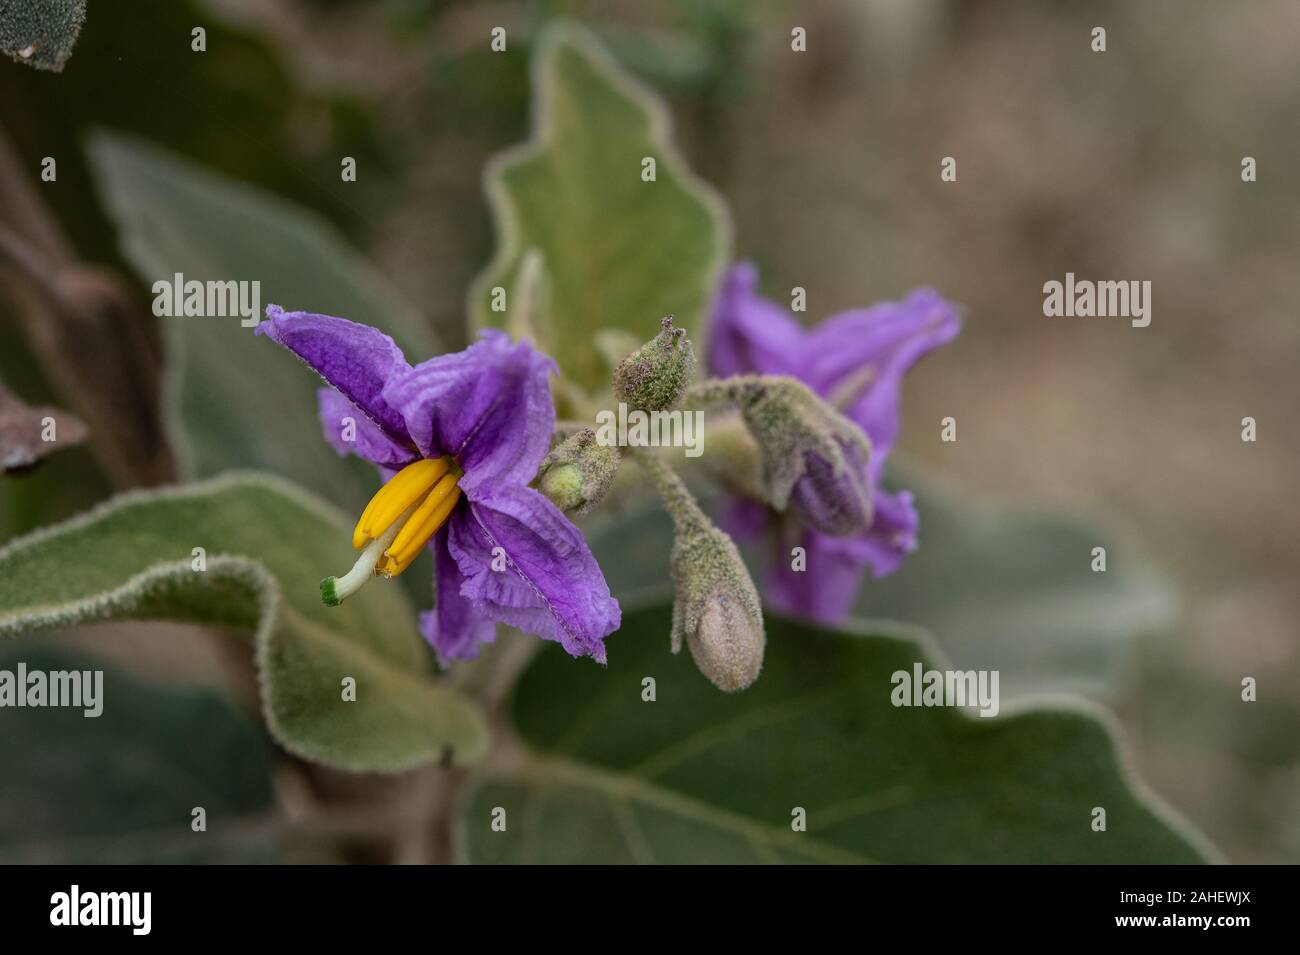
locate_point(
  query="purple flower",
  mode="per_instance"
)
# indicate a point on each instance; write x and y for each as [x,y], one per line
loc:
[457,438]
[855,361]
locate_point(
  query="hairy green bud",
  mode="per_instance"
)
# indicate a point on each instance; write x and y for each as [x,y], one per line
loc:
[811,457]
[578,472]
[654,376]
[716,608]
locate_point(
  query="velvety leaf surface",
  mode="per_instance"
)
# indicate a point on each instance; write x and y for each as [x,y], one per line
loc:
[608,249]
[1013,589]
[236,400]
[700,776]
[40,33]
[121,787]
[266,547]
[999,588]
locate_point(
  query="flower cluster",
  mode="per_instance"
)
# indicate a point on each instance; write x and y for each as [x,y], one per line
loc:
[855,361]
[461,439]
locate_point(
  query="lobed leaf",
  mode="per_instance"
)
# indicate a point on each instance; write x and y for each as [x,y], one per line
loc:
[121,787]
[701,776]
[615,251]
[264,543]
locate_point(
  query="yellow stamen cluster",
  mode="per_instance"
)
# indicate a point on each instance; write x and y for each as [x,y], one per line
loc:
[399,520]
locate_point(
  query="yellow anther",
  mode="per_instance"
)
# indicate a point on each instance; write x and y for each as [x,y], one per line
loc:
[405,488]
[397,523]
[421,526]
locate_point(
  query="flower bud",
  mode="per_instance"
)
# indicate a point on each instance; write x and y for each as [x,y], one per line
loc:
[716,609]
[836,504]
[812,453]
[654,376]
[578,472]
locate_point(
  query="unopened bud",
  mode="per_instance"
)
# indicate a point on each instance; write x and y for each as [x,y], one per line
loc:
[578,472]
[838,504]
[813,453]
[654,376]
[716,609]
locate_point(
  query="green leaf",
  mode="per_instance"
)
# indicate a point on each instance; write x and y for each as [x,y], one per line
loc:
[41,33]
[701,776]
[266,547]
[614,251]
[1009,589]
[1013,589]
[233,399]
[120,787]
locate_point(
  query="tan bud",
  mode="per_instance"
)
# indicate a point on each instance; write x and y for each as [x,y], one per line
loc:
[728,644]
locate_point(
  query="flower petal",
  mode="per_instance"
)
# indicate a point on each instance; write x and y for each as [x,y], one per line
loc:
[857,360]
[893,532]
[749,333]
[370,441]
[744,518]
[356,359]
[489,406]
[826,589]
[546,581]
[454,628]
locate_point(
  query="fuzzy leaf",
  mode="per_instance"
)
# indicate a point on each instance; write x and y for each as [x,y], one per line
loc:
[236,400]
[267,545]
[40,33]
[702,776]
[1013,588]
[120,787]
[616,251]
[1000,588]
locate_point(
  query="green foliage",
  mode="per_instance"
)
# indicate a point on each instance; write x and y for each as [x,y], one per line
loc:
[610,249]
[40,33]
[235,400]
[700,776]
[1013,588]
[264,542]
[121,787]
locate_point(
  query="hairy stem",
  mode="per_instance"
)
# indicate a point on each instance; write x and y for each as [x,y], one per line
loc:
[678,501]
[736,391]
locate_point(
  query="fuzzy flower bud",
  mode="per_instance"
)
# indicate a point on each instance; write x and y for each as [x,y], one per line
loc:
[578,472]
[716,608]
[812,456]
[654,376]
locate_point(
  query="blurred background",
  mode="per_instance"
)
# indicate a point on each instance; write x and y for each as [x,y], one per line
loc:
[1120,165]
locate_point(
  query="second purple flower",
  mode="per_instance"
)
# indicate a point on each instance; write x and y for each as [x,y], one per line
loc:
[855,361]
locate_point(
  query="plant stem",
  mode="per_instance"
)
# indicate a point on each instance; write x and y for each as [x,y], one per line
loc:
[738,390]
[678,501]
